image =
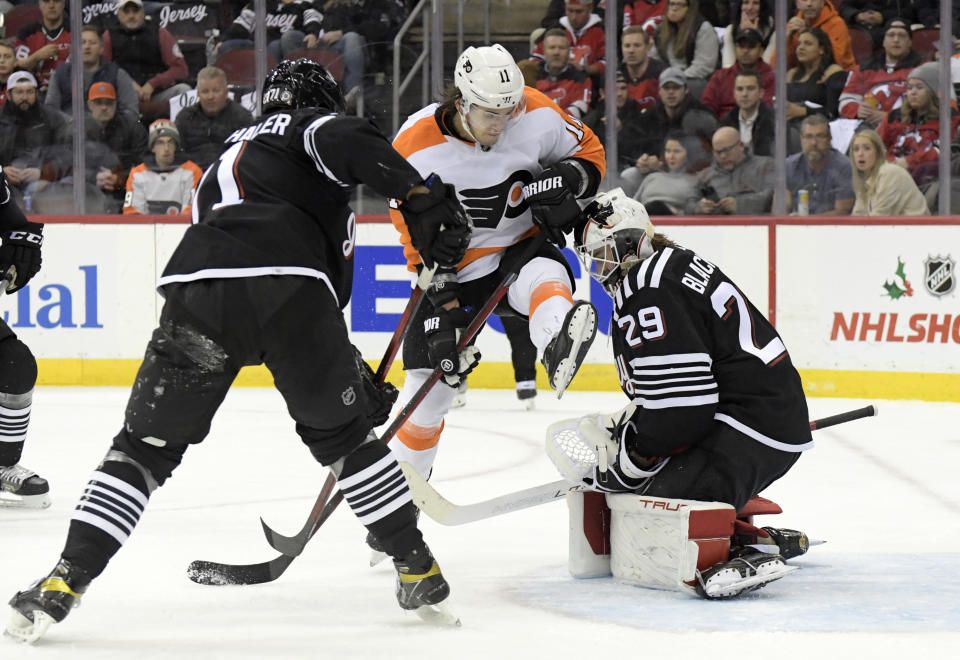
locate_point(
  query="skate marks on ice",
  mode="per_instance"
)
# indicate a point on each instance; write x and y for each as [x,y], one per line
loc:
[883,593]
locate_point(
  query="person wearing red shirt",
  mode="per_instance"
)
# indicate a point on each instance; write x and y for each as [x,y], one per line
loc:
[42,47]
[587,39]
[647,14]
[640,71]
[569,87]
[718,95]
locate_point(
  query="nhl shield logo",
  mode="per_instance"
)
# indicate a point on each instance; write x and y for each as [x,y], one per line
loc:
[348,396]
[938,275]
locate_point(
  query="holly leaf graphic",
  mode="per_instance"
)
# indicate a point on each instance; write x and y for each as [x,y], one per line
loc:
[902,275]
[893,290]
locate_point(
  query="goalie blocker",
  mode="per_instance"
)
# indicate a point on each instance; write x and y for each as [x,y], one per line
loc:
[673,544]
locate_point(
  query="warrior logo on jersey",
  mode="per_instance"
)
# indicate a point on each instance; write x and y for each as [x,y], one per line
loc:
[487,206]
[938,275]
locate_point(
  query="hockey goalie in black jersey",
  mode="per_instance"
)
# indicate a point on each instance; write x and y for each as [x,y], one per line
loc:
[261,276]
[717,409]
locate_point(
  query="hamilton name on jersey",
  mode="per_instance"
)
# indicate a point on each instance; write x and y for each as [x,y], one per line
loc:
[276,202]
[691,349]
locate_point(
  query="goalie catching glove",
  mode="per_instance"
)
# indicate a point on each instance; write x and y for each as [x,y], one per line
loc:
[586,450]
[20,254]
[439,227]
[552,197]
[443,331]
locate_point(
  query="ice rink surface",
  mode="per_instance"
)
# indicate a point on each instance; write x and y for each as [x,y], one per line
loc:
[882,492]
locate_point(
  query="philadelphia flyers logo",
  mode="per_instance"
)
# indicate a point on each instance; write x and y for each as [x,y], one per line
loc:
[488,206]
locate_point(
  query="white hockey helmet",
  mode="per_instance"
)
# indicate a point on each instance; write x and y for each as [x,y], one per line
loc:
[617,235]
[488,77]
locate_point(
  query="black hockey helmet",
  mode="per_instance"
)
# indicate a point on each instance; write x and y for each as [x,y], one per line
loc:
[301,83]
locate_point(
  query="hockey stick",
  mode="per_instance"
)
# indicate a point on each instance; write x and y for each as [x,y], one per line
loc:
[294,545]
[213,573]
[446,512]
[8,279]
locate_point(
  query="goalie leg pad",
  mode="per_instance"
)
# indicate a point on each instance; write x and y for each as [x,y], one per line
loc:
[589,548]
[663,543]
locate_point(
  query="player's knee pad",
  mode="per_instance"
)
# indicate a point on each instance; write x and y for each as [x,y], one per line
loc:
[330,444]
[19,373]
[156,460]
[435,405]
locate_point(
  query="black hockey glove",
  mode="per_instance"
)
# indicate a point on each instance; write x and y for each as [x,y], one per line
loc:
[444,287]
[624,473]
[21,250]
[380,398]
[439,227]
[552,197]
[443,331]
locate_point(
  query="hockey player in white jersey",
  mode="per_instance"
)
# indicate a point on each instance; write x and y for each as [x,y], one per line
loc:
[717,408]
[519,164]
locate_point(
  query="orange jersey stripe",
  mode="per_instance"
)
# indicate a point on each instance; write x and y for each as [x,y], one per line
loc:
[419,438]
[548,290]
[590,147]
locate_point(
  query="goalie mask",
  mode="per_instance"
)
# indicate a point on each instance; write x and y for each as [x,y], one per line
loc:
[490,83]
[617,236]
[301,83]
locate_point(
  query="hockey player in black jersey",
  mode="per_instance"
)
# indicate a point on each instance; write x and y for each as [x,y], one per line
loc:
[717,408]
[19,261]
[261,276]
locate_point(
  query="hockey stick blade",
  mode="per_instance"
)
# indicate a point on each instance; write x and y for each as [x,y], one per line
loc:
[446,512]
[294,545]
[215,574]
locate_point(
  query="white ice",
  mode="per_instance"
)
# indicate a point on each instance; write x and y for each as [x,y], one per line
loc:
[883,492]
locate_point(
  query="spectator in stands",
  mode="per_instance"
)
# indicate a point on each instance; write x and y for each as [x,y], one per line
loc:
[667,191]
[164,183]
[719,95]
[31,136]
[630,137]
[813,86]
[821,170]
[911,133]
[876,87]
[42,47]
[646,14]
[204,125]
[881,187]
[119,142]
[748,15]
[738,182]
[871,15]
[8,60]
[821,14]
[687,41]
[753,118]
[146,51]
[377,22]
[587,39]
[641,71]
[95,69]
[567,85]
[344,22]
[676,111]
[291,25]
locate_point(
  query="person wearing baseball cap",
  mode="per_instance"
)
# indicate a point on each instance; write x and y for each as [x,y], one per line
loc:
[165,181]
[748,48]
[116,142]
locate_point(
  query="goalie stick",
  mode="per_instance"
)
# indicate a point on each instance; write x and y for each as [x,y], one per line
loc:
[446,512]
[214,573]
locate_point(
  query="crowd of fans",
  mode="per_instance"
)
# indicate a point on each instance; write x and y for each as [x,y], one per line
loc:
[694,95]
[695,89]
[158,101]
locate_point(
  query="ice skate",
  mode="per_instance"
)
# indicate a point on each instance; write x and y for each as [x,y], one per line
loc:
[23,489]
[377,554]
[747,569]
[46,602]
[565,352]
[527,396]
[422,588]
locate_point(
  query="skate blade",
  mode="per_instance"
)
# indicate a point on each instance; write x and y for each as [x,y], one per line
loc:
[582,330]
[24,630]
[376,557]
[747,584]
[438,615]
[530,404]
[11,501]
